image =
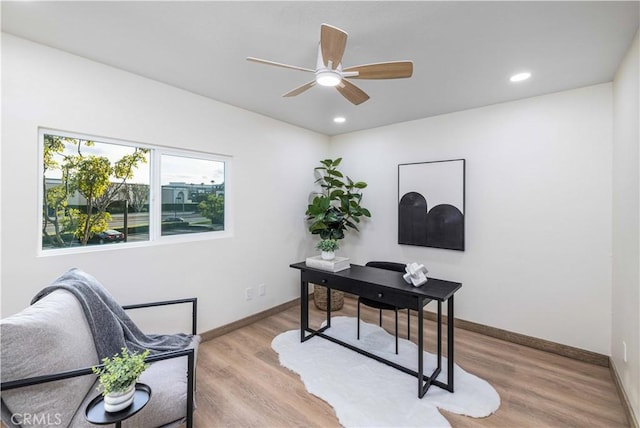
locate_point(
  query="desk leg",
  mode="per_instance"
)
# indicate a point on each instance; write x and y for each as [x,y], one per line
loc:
[420,351]
[328,307]
[304,309]
[450,359]
[439,340]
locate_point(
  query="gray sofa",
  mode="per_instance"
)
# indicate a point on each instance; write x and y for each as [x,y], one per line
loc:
[47,352]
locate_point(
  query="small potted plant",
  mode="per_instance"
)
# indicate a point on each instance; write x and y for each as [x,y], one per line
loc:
[118,377]
[328,248]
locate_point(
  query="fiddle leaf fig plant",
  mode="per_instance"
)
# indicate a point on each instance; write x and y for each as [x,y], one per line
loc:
[338,206]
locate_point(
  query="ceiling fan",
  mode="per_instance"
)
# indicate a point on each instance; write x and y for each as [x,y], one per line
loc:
[329,71]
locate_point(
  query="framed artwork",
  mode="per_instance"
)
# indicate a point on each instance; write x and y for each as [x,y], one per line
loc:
[431,204]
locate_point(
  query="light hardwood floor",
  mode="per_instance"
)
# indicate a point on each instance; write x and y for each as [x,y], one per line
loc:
[240,382]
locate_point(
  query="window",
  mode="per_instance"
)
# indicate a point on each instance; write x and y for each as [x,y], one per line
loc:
[192,195]
[98,191]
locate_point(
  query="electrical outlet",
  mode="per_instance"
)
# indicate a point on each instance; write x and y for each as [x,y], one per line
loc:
[248,293]
[624,351]
[262,290]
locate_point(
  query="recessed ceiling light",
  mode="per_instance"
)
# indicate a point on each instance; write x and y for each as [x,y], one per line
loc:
[339,119]
[520,77]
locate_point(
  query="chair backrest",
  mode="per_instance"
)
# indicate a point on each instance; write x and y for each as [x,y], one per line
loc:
[50,336]
[398,267]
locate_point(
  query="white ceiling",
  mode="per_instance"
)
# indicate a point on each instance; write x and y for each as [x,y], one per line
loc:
[463,52]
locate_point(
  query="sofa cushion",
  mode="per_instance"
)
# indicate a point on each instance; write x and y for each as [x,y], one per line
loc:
[49,336]
[168,405]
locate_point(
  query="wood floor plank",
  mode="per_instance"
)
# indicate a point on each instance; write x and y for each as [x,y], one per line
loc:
[241,383]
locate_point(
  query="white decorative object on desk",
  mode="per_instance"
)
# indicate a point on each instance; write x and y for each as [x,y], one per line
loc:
[416,274]
[335,265]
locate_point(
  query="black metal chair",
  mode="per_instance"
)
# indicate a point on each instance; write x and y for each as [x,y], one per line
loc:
[398,267]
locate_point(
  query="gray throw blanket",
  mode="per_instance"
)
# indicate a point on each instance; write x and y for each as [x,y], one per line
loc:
[111,327]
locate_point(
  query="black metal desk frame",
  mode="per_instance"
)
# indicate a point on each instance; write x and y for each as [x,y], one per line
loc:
[387,286]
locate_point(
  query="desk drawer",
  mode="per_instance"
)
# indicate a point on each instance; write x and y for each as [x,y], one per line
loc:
[370,291]
[390,297]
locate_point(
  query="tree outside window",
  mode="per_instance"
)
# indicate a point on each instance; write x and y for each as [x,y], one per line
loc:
[83,186]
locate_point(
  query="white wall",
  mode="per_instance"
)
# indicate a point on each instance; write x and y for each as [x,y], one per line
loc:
[626,225]
[538,210]
[49,88]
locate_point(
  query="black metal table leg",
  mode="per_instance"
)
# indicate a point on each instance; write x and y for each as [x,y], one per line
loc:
[328,307]
[420,351]
[450,339]
[450,358]
[439,340]
[304,309]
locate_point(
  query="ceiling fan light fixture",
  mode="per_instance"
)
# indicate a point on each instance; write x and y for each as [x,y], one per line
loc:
[328,78]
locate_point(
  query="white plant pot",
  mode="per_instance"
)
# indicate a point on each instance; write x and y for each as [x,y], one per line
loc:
[328,255]
[116,401]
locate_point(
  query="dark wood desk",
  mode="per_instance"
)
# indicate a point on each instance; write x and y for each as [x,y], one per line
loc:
[389,287]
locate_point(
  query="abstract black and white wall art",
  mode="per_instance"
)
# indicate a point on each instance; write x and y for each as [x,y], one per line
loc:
[431,204]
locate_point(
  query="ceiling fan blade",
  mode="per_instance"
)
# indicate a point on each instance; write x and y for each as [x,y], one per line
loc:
[382,70]
[352,92]
[300,89]
[277,64]
[333,41]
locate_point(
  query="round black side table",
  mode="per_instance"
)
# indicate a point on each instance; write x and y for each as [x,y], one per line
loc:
[96,414]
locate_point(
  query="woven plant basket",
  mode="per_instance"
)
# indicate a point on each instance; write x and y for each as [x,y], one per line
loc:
[320,298]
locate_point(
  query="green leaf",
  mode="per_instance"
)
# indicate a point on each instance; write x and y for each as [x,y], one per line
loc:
[317,227]
[352,225]
[336,194]
[335,173]
[360,185]
[334,182]
[365,212]
[336,234]
[322,202]
[336,162]
[331,217]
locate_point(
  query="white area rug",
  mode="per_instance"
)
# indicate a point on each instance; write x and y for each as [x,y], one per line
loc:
[366,393]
